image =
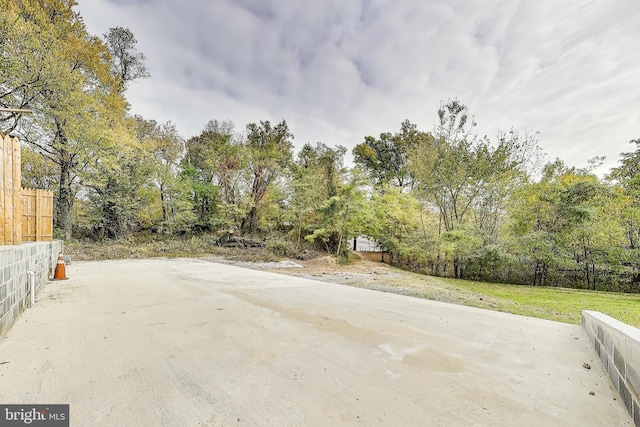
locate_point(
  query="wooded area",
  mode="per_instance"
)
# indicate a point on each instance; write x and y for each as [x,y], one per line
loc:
[445,201]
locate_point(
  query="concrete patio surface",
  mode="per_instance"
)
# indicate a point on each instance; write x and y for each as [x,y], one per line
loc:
[190,342]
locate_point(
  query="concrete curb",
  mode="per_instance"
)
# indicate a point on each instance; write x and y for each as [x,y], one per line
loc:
[618,346]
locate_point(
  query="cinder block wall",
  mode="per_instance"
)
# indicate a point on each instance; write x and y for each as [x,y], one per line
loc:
[15,261]
[618,346]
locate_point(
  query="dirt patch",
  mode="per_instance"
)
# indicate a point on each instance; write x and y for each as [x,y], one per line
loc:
[367,271]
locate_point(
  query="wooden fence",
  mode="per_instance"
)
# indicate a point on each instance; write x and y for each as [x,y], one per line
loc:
[37,215]
[25,214]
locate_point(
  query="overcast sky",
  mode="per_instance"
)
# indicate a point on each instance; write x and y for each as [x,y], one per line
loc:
[338,70]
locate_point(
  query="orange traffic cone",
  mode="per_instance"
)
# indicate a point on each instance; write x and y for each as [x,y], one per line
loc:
[60,273]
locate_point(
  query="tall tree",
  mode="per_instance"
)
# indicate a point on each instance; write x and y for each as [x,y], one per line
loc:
[115,179]
[61,72]
[386,159]
[341,217]
[270,152]
[627,176]
[127,64]
[215,163]
[166,148]
[316,176]
[561,224]
[462,175]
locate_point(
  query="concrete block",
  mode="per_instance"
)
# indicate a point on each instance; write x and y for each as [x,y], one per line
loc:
[626,397]
[608,344]
[4,325]
[633,379]
[618,360]
[613,374]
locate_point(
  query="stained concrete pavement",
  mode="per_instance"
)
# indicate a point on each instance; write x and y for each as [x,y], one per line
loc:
[189,342]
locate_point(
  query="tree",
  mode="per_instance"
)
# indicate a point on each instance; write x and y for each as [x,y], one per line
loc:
[215,164]
[60,72]
[37,170]
[397,224]
[386,159]
[345,215]
[127,64]
[165,148]
[115,180]
[270,152]
[466,178]
[315,177]
[562,224]
[627,177]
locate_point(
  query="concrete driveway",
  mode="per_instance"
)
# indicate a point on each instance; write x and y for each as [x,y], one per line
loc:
[189,342]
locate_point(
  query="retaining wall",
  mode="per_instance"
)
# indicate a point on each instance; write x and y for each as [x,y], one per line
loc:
[15,261]
[618,346]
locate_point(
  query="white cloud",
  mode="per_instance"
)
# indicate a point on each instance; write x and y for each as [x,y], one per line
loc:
[337,71]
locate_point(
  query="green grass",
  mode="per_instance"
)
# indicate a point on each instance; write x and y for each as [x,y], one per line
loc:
[563,305]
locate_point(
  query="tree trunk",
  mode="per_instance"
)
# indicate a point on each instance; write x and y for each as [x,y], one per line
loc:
[163,203]
[64,200]
[258,190]
[253,219]
[456,267]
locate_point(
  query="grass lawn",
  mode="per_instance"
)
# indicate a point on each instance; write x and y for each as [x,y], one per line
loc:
[563,305]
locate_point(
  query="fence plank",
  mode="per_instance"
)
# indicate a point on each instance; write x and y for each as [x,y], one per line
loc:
[38,207]
[48,235]
[3,141]
[29,222]
[7,169]
[17,194]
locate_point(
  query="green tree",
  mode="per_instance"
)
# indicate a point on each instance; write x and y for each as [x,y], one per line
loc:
[166,148]
[61,72]
[563,223]
[627,180]
[398,222]
[215,163]
[467,179]
[386,159]
[37,170]
[315,177]
[116,179]
[270,153]
[341,217]
[627,175]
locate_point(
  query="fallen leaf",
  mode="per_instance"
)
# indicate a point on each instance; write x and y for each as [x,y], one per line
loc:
[585,365]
